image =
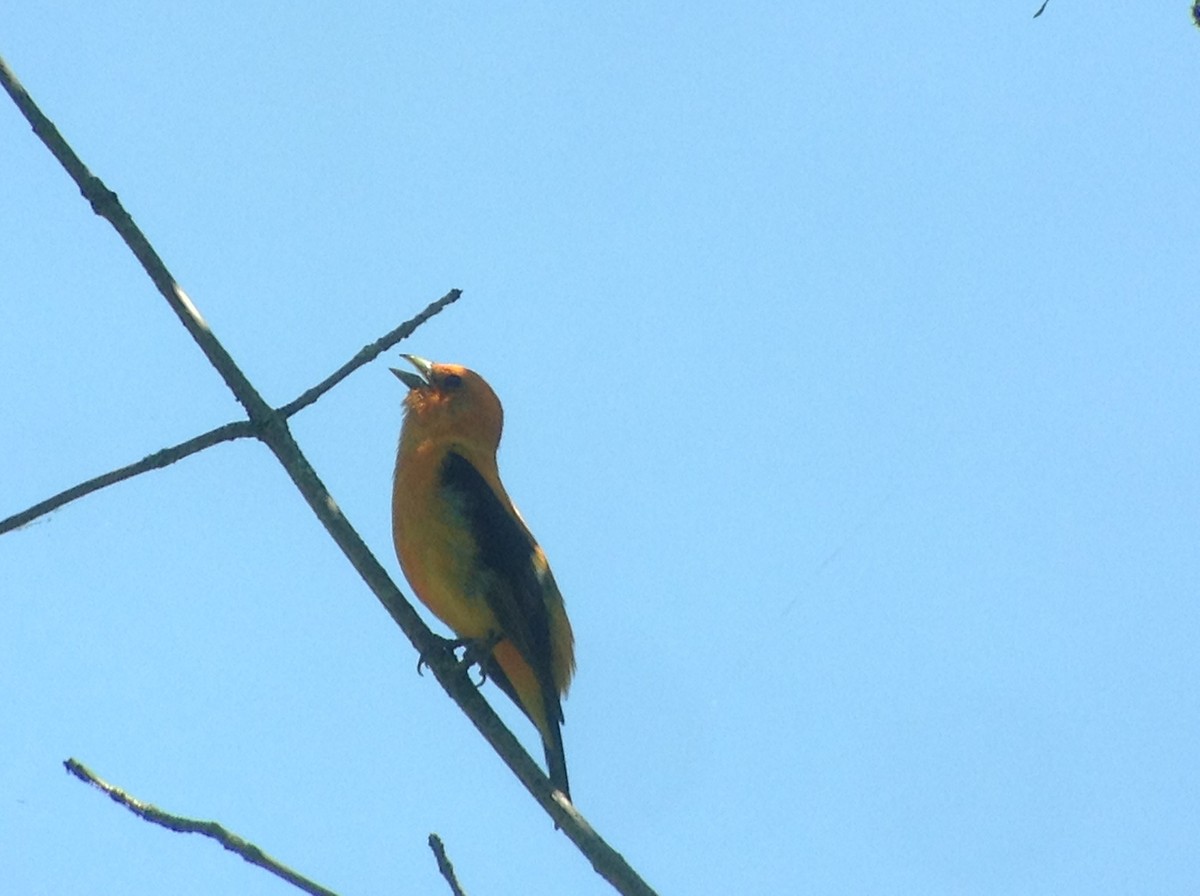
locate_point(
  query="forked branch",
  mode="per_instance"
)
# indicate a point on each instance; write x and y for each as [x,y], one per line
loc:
[270,426]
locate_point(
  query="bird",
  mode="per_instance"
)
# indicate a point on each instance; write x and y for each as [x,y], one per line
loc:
[467,552]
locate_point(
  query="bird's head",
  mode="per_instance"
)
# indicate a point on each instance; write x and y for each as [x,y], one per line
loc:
[448,402]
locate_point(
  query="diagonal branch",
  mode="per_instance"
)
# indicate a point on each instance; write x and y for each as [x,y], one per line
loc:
[212,829]
[239,429]
[236,430]
[369,353]
[271,427]
[444,865]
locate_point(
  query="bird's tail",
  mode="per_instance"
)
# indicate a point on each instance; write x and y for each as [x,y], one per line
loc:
[556,759]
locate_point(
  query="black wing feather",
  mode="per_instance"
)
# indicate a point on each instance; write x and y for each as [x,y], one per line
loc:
[510,583]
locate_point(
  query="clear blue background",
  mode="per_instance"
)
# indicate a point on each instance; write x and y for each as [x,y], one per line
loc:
[850,360]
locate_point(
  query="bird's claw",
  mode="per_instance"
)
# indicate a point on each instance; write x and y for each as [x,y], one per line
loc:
[476,652]
[448,644]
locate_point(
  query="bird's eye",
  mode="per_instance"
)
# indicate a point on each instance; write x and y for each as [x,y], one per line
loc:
[451,381]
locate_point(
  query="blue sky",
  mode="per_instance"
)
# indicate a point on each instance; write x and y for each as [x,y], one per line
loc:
[850,372]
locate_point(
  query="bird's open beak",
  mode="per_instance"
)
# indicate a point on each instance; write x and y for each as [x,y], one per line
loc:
[411,379]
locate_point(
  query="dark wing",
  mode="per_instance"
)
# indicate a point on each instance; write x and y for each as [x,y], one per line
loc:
[510,581]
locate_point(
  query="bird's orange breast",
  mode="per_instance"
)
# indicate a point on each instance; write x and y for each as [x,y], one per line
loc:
[436,551]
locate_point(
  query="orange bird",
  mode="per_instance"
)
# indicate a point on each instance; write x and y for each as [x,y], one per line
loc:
[468,554]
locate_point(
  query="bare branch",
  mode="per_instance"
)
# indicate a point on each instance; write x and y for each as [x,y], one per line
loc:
[369,353]
[270,426]
[212,829]
[444,866]
[239,429]
[230,431]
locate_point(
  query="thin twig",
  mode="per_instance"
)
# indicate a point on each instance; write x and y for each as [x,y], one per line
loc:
[239,429]
[369,353]
[236,430]
[444,866]
[271,427]
[212,829]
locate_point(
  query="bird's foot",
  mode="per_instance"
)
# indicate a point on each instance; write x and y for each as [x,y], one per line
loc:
[476,652]
[450,645]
